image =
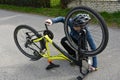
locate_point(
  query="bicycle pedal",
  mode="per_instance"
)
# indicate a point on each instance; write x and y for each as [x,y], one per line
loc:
[51,66]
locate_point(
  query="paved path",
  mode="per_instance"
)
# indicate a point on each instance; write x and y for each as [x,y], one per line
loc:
[15,66]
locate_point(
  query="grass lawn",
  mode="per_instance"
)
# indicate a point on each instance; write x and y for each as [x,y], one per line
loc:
[53,12]
[112,19]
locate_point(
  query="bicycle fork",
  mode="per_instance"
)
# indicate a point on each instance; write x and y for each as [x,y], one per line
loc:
[82,47]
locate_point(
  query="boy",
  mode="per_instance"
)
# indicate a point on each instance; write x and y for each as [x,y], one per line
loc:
[75,25]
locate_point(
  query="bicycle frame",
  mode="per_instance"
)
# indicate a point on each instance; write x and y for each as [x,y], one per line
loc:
[47,54]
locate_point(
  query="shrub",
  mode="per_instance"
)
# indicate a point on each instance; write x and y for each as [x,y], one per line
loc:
[30,3]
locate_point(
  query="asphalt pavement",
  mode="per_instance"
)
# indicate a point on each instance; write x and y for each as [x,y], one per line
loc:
[15,66]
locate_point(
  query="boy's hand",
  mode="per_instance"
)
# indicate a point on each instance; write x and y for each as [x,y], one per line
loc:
[48,22]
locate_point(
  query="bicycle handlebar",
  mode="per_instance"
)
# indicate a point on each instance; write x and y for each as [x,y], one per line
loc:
[46,26]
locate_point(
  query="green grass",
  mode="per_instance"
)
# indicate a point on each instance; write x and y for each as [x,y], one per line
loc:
[53,12]
[112,19]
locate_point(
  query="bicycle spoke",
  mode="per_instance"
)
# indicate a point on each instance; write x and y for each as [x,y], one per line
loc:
[96,27]
[23,36]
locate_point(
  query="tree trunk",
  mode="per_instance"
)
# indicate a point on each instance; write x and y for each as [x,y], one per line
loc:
[46,3]
[64,3]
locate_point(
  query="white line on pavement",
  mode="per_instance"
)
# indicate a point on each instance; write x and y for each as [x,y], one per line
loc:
[9,17]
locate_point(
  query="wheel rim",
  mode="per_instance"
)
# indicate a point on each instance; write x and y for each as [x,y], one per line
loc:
[25,43]
[96,27]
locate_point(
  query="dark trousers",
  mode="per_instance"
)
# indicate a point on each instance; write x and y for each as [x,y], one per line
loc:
[67,47]
[65,44]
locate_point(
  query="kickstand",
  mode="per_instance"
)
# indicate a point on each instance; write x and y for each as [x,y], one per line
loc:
[51,65]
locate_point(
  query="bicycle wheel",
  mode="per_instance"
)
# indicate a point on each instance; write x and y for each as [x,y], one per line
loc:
[97,28]
[23,36]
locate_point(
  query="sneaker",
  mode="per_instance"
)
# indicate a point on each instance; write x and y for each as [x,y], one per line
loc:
[44,50]
[91,69]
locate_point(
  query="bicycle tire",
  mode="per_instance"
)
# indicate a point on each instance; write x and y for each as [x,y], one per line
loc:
[103,26]
[32,31]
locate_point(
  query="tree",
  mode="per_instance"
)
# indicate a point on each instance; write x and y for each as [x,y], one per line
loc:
[64,3]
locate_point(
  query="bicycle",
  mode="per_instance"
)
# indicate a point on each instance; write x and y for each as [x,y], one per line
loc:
[34,41]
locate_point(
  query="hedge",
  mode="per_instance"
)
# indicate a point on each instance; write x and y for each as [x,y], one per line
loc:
[30,3]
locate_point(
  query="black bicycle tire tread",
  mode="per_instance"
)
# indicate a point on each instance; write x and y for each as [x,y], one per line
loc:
[17,44]
[101,21]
